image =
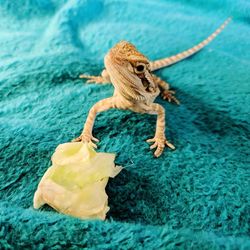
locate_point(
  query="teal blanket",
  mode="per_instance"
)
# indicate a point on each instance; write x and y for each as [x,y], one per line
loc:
[196,197]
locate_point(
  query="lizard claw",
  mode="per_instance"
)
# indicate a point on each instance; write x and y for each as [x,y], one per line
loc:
[169,95]
[159,144]
[86,138]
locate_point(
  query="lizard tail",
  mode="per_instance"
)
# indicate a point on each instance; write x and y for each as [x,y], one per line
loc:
[158,64]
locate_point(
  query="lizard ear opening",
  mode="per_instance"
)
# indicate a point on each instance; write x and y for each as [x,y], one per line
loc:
[130,68]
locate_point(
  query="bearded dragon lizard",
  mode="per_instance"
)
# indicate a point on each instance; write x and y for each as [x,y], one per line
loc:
[136,87]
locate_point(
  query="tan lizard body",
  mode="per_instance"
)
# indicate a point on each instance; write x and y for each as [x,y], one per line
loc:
[136,87]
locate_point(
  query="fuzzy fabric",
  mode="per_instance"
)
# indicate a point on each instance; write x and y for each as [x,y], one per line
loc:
[196,197]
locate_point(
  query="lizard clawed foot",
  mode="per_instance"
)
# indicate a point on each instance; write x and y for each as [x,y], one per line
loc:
[93,79]
[159,144]
[87,138]
[169,95]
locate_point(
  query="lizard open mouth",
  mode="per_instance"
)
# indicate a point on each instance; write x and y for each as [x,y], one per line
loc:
[145,82]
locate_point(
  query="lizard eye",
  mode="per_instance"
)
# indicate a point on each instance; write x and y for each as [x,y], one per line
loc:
[140,68]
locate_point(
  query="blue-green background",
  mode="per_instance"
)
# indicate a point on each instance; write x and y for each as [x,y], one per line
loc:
[196,197]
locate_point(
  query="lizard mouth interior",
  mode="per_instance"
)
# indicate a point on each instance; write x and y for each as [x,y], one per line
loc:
[145,82]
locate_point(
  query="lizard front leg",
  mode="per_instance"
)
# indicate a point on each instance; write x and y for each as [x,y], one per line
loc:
[103,78]
[159,139]
[86,135]
[166,93]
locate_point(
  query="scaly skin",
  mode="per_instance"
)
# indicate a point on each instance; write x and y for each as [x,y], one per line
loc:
[136,87]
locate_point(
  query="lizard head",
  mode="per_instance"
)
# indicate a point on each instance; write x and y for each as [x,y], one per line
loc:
[129,70]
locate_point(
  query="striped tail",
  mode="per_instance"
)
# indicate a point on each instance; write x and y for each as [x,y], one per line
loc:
[158,64]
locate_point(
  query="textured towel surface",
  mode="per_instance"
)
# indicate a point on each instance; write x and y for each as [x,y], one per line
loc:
[194,197]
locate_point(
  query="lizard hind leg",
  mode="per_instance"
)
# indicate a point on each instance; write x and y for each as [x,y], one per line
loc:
[102,79]
[166,93]
[169,95]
